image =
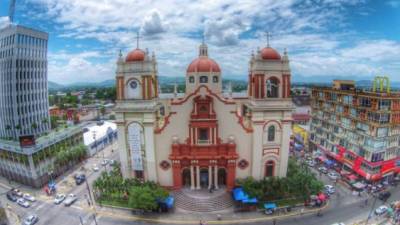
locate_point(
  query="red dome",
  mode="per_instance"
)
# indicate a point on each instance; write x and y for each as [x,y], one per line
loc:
[135,55]
[270,53]
[203,64]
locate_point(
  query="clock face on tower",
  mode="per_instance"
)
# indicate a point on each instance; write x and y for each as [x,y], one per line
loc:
[133,84]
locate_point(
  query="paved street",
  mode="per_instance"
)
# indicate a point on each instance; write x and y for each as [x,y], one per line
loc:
[343,207]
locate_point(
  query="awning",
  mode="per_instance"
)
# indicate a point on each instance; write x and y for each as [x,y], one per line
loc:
[321,158]
[351,177]
[270,206]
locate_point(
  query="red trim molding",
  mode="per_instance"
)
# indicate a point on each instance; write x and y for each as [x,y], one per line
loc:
[240,121]
[166,122]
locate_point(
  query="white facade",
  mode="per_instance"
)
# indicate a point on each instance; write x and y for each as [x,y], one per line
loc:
[205,137]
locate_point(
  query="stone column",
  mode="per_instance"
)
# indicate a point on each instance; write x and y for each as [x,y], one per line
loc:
[197,177]
[191,177]
[209,176]
[216,176]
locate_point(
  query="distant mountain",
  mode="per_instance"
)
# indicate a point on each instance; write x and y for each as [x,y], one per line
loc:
[235,80]
[54,86]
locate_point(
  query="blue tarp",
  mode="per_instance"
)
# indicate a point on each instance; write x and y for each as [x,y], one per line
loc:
[240,195]
[251,200]
[168,201]
[269,205]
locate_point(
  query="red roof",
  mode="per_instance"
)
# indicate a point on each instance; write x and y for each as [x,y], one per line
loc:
[270,54]
[135,55]
[203,64]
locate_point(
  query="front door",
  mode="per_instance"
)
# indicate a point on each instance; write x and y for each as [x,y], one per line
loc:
[204,178]
[186,177]
[221,177]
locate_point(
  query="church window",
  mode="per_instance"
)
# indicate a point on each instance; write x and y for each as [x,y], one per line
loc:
[203,134]
[191,79]
[133,84]
[203,79]
[271,133]
[269,168]
[272,88]
[203,109]
[215,79]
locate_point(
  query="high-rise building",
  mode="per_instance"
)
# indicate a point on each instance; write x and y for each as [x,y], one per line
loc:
[358,130]
[23,82]
[28,149]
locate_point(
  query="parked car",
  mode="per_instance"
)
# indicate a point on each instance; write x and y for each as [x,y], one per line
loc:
[333,175]
[30,220]
[79,178]
[323,170]
[329,189]
[95,168]
[384,196]
[381,210]
[11,196]
[70,200]
[23,203]
[16,192]
[104,162]
[59,198]
[29,197]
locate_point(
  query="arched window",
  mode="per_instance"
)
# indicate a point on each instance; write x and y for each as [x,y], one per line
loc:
[269,168]
[215,79]
[271,133]
[272,87]
[203,79]
[191,79]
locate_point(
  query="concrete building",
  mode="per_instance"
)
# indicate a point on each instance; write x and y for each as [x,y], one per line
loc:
[28,147]
[23,82]
[98,136]
[358,129]
[204,136]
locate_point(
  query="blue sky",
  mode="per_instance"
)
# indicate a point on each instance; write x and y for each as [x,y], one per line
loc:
[346,38]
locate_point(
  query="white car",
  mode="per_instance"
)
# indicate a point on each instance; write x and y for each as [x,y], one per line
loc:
[59,198]
[333,175]
[329,189]
[95,168]
[381,210]
[70,200]
[23,203]
[338,224]
[104,162]
[29,197]
[30,220]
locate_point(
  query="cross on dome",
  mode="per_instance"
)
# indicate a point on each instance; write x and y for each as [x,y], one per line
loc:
[137,39]
[269,35]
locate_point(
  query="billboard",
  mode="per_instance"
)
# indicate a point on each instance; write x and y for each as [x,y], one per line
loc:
[27,141]
[135,141]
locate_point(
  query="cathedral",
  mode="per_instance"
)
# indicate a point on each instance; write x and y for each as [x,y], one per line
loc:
[208,136]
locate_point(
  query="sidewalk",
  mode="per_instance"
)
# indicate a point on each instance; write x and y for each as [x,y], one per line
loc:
[194,218]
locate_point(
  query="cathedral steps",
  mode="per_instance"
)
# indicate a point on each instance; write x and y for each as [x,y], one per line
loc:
[208,203]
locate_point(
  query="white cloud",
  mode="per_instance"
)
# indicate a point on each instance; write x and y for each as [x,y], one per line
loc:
[232,29]
[4,21]
[152,24]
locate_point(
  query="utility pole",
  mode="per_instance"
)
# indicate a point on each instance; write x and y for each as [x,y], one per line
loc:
[94,217]
[80,219]
[372,209]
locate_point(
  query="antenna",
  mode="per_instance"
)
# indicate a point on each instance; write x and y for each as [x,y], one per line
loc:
[268,37]
[137,39]
[11,11]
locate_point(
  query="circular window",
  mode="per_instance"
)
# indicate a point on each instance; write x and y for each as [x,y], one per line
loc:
[243,164]
[133,84]
[165,165]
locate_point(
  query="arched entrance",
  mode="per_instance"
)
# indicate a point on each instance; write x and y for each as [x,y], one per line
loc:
[221,177]
[269,168]
[186,177]
[203,178]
